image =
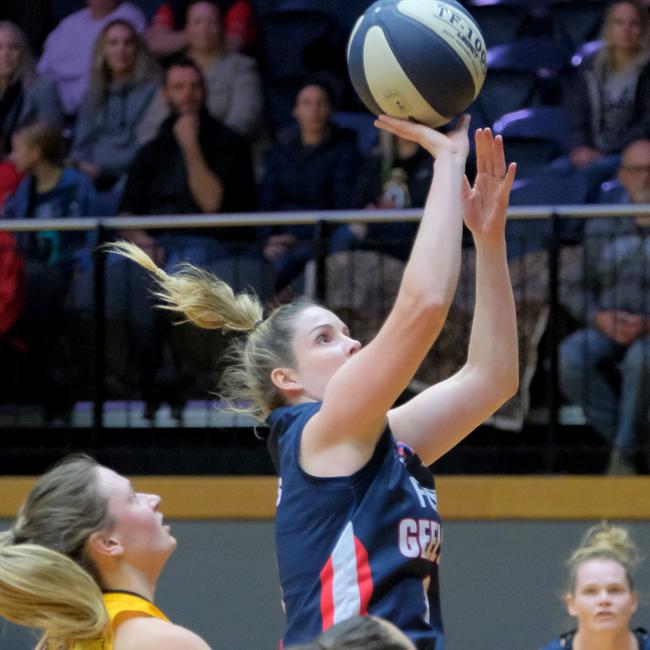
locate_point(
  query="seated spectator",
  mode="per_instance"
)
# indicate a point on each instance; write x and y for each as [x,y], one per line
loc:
[123,83]
[49,191]
[359,633]
[397,175]
[68,50]
[232,81]
[167,34]
[610,101]
[601,594]
[310,166]
[605,365]
[195,164]
[24,97]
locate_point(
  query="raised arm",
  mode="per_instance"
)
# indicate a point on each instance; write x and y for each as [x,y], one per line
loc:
[357,397]
[438,418]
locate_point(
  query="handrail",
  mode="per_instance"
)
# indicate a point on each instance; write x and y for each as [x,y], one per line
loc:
[307,217]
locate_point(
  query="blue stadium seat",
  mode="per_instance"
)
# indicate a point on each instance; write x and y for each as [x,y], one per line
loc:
[504,91]
[543,56]
[363,124]
[501,21]
[530,235]
[551,122]
[585,50]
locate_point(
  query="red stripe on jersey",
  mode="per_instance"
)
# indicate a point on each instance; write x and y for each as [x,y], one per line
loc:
[327,594]
[364,577]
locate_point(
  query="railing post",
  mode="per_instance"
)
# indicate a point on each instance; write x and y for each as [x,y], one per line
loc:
[320,255]
[99,316]
[553,340]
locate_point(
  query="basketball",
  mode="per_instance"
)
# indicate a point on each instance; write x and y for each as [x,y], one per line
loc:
[422,60]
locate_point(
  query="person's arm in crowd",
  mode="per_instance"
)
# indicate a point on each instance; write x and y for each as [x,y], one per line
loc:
[161,36]
[206,187]
[581,146]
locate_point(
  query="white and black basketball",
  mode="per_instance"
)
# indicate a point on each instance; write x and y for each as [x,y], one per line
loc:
[423,60]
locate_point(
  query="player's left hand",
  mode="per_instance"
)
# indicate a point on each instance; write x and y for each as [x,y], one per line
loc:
[486,203]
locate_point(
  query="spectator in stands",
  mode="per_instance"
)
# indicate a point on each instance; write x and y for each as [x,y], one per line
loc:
[123,82]
[601,595]
[82,559]
[397,175]
[24,97]
[49,191]
[68,50]
[195,164]
[167,34]
[312,165]
[605,365]
[232,80]
[359,633]
[610,103]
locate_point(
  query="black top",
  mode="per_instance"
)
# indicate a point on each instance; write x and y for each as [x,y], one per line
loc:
[158,182]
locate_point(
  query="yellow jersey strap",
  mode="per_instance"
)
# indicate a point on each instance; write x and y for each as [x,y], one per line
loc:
[119,602]
[126,602]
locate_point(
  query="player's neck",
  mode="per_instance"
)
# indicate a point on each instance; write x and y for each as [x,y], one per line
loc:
[615,640]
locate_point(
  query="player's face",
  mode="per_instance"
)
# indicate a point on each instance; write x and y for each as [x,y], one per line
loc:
[624,29]
[138,525]
[119,51]
[203,28]
[602,599]
[184,89]
[9,53]
[321,345]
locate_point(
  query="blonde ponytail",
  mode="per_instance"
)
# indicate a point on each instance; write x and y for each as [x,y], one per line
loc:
[201,297]
[210,303]
[605,542]
[44,589]
[47,579]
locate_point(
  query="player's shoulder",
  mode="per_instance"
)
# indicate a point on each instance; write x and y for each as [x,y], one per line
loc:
[148,633]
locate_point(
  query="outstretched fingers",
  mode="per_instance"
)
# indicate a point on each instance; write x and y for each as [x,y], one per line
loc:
[490,155]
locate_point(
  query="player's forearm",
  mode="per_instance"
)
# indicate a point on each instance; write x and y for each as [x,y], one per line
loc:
[493,348]
[433,268]
[205,185]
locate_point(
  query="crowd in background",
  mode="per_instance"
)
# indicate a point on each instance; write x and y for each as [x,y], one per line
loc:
[177,107]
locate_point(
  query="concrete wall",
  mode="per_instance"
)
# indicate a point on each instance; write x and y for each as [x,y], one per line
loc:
[501,582]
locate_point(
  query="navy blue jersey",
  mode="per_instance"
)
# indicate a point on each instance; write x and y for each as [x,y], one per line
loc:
[565,642]
[368,543]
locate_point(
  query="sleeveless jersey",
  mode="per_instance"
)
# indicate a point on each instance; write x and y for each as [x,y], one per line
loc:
[120,602]
[368,543]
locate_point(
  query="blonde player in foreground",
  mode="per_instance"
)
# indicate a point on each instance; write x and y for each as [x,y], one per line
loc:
[81,562]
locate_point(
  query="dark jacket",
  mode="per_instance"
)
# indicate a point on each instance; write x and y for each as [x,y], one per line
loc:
[320,177]
[158,183]
[585,108]
[73,196]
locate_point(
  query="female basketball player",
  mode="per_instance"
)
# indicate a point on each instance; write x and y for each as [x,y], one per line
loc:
[601,594]
[357,526]
[82,560]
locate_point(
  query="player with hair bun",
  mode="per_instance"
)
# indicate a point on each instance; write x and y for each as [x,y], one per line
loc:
[601,593]
[357,524]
